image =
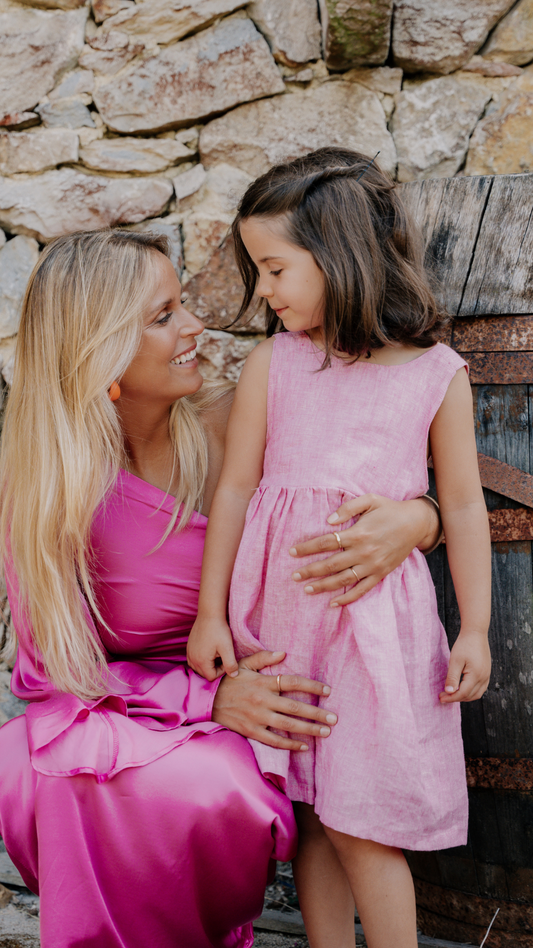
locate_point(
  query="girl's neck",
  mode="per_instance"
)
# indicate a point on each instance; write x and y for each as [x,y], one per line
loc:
[387,355]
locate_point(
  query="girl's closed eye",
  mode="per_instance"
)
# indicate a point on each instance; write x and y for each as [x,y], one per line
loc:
[275,273]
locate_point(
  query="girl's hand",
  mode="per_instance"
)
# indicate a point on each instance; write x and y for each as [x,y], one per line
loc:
[385,534]
[469,669]
[250,704]
[210,639]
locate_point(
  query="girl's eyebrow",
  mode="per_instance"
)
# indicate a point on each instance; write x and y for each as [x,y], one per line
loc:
[273,257]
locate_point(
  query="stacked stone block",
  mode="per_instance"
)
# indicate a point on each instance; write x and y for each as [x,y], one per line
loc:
[156,114]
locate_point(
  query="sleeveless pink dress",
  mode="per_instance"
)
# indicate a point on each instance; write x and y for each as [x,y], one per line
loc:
[393,768]
[141,822]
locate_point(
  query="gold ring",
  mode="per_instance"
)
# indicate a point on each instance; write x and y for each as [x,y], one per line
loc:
[355,574]
[278,682]
[338,539]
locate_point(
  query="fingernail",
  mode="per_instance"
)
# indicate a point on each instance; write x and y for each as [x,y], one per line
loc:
[333,518]
[296,576]
[233,674]
[308,589]
[325,732]
[293,551]
[334,605]
[331,718]
[303,747]
[326,690]
[450,689]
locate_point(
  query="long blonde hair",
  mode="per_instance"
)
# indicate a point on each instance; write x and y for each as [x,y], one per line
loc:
[63,445]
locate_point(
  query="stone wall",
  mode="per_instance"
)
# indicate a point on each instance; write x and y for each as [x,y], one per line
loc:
[157,114]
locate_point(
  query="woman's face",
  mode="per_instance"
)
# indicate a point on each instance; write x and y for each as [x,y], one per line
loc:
[165,367]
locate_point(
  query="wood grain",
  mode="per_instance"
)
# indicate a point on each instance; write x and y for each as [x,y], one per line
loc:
[449,212]
[500,278]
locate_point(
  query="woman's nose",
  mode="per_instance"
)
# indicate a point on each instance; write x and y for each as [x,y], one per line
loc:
[192,326]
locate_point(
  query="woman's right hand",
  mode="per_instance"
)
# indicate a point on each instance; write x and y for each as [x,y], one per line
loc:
[250,704]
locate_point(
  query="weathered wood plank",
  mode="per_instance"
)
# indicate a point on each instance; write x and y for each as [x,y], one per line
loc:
[499,368]
[493,334]
[500,723]
[449,211]
[501,277]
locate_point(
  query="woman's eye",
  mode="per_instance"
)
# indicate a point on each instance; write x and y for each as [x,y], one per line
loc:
[275,273]
[164,319]
[184,299]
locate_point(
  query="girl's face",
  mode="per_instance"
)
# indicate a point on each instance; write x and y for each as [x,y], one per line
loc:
[289,278]
[165,367]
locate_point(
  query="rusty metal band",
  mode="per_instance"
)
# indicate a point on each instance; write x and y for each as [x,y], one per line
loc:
[493,334]
[504,479]
[499,368]
[500,773]
[507,526]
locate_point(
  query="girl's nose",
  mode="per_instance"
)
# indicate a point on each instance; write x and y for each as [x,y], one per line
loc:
[263,288]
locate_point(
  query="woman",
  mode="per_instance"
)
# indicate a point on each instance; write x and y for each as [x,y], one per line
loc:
[128,796]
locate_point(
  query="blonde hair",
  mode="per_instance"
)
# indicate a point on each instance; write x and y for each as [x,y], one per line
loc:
[63,445]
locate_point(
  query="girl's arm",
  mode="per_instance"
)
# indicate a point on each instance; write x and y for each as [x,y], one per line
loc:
[466,527]
[241,473]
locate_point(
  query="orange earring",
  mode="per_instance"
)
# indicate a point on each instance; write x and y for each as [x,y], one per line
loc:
[114,391]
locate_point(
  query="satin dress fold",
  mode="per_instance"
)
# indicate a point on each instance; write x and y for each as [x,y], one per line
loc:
[138,820]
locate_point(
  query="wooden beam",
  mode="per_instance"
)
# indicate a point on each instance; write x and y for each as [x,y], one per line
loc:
[449,211]
[500,276]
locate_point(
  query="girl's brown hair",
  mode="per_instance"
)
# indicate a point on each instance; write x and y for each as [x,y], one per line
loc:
[346,212]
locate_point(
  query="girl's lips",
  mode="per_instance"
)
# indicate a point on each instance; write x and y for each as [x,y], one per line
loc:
[281,310]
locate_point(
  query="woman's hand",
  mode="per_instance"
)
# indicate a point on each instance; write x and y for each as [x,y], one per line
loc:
[250,704]
[385,534]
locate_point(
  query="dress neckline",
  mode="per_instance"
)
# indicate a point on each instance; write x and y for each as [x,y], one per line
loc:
[148,488]
[377,365]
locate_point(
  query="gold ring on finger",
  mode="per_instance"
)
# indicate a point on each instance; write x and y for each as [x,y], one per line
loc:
[338,539]
[278,682]
[355,574]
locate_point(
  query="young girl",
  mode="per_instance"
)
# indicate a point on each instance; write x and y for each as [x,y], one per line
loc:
[350,389]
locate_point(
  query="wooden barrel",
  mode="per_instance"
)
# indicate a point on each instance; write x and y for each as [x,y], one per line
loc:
[479,235]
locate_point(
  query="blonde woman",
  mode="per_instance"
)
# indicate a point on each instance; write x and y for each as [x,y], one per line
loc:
[128,796]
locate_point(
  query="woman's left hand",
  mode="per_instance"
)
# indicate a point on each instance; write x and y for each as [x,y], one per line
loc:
[385,534]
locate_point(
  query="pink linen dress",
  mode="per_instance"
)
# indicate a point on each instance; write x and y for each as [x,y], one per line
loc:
[393,768]
[138,820]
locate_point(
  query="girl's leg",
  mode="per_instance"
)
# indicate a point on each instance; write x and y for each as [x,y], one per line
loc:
[323,889]
[383,889]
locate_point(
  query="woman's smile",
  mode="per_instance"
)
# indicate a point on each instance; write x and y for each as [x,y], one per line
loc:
[186,357]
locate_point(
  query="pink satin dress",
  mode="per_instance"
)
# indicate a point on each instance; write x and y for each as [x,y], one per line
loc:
[138,820]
